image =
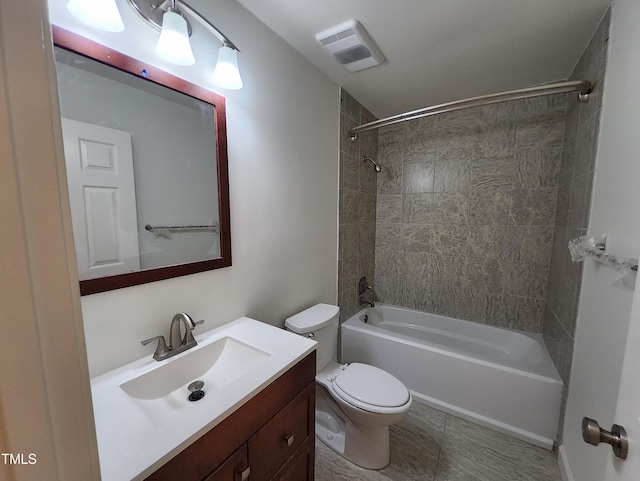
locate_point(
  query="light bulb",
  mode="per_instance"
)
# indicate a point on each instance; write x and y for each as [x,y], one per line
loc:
[226,73]
[100,14]
[173,44]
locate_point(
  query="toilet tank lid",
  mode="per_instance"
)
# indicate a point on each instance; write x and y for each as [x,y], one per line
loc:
[312,319]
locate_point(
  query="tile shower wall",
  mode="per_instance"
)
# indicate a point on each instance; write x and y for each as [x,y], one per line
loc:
[574,200]
[466,211]
[357,205]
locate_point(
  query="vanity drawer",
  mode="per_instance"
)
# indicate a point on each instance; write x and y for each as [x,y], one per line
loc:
[279,438]
[234,468]
[301,465]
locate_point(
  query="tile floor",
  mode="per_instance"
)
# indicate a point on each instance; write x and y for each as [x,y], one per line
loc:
[431,445]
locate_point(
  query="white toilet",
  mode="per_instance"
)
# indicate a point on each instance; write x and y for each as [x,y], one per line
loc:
[355,403]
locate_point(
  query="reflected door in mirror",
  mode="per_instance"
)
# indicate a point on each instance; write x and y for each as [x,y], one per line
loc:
[102,194]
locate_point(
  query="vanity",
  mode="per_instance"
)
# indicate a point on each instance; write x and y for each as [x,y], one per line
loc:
[255,421]
[270,437]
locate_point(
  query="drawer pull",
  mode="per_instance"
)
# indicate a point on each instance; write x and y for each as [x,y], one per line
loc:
[289,438]
[244,475]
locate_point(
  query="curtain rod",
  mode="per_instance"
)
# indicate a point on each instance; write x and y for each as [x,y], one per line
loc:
[582,86]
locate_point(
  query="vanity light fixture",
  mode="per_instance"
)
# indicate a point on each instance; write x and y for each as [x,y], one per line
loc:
[100,14]
[155,13]
[171,18]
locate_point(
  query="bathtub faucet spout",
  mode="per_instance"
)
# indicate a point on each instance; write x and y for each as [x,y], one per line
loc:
[364,301]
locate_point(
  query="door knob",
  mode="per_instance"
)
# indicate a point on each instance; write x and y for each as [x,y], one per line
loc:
[592,433]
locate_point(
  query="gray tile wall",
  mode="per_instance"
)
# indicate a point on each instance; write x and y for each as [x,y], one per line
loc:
[357,205]
[466,211]
[574,200]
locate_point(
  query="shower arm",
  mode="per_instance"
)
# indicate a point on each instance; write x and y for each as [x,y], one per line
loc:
[377,167]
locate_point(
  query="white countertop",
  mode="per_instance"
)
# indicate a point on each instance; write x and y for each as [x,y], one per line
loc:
[137,436]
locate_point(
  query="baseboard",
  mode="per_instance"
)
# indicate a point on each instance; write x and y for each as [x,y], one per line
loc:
[565,470]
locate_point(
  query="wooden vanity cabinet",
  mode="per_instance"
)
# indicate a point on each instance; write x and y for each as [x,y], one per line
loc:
[270,438]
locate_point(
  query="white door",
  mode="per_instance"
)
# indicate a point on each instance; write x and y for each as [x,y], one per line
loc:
[99,164]
[628,410]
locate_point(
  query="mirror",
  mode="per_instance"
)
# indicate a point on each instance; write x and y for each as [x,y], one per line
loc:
[146,162]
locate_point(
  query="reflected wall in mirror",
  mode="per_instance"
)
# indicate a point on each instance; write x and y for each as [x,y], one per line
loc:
[146,162]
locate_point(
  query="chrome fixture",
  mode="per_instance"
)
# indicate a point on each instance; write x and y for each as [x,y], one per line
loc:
[180,228]
[583,87]
[195,388]
[364,301]
[162,350]
[593,434]
[155,12]
[363,287]
[376,166]
[178,342]
[171,19]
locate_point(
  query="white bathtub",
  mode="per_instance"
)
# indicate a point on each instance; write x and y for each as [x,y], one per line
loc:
[499,378]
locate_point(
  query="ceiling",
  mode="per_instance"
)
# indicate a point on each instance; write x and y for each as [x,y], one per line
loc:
[441,50]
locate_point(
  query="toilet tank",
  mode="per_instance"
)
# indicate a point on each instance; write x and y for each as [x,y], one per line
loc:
[321,323]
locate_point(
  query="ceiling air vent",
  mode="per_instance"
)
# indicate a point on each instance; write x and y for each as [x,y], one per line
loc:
[351,46]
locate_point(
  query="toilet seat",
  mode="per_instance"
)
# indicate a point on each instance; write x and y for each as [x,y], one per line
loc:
[372,389]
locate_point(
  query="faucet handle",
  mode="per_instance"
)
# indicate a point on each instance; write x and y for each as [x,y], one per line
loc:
[188,335]
[363,286]
[161,348]
[151,339]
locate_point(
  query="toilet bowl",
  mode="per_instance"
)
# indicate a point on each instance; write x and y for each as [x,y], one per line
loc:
[355,403]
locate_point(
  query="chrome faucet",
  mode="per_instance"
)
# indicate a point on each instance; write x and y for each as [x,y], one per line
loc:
[178,343]
[364,301]
[174,332]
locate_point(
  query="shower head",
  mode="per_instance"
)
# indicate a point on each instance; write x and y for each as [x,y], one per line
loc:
[377,167]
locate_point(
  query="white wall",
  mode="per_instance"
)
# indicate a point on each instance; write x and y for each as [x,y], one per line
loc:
[283,169]
[604,310]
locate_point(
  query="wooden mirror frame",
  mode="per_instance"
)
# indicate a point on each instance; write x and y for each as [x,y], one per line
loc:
[87,48]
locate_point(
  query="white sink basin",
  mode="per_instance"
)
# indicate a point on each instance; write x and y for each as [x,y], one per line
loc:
[142,413]
[216,364]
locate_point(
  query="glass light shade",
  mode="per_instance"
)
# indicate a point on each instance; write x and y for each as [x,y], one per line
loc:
[226,73]
[173,44]
[100,14]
